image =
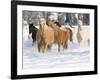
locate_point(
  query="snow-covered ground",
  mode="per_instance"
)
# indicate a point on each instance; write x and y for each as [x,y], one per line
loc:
[73,56]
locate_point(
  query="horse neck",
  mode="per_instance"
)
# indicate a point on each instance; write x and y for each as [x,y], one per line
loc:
[42,28]
[45,26]
[79,28]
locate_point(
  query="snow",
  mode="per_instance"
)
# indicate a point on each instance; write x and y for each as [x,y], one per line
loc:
[73,56]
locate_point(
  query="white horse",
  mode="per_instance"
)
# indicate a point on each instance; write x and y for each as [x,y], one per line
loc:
[83,35]
[25,30]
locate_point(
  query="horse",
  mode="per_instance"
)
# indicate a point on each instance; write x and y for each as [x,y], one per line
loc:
[60,37]
[25,30]
[32,31]
[83,36]
[45,36]
[65,28]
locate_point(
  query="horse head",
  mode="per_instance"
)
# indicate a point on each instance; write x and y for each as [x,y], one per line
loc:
[42,22]
[80,24]
[57,23]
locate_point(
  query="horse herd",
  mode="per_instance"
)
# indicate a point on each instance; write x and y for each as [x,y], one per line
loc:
[50,33]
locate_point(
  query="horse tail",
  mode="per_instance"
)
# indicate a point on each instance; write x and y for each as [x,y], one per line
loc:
[70,34]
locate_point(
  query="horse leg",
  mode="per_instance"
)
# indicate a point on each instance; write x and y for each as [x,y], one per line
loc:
[65,46]
[33,42]
[58,46]
[45,48]
[89,42]
[49,47]
[39,47]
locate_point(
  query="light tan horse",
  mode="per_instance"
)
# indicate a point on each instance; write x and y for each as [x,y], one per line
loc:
[83,36]
[45,36]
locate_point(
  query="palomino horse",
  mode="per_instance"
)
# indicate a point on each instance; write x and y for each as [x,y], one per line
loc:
[45,36]
[61,37]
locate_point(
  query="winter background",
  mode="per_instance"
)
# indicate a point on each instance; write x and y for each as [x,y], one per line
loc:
[75,55]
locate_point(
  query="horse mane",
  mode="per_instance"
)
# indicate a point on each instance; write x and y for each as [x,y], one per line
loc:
[40,26]
[57,23]
[47,23]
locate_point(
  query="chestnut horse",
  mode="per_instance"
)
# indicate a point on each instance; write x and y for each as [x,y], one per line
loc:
[65,28]
[45,36]
[61,37]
